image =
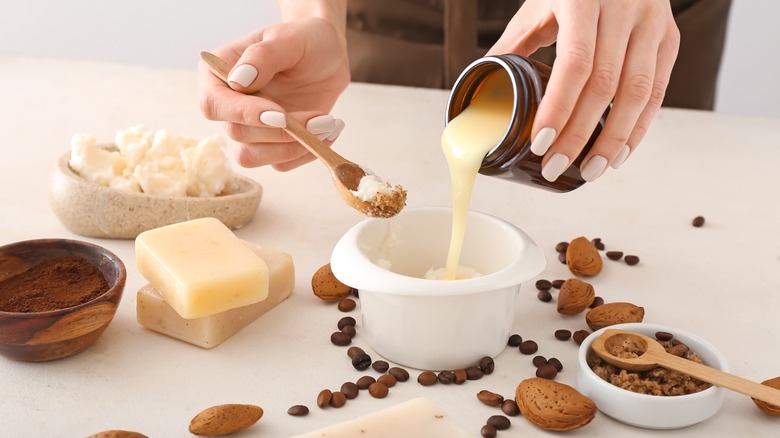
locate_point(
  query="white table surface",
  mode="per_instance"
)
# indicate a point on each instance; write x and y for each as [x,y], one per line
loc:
[721,281]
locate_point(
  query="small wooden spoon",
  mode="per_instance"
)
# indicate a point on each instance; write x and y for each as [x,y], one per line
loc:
[652,354]
[346,174]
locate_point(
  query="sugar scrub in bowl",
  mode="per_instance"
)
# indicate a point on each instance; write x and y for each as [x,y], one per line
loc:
[427,323]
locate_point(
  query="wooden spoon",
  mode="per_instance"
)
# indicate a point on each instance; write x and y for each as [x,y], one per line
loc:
[652,354]
[346,174]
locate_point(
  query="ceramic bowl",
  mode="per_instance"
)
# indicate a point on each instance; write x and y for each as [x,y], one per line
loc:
[653,411]
[435,324]
[55,334]
[93,210]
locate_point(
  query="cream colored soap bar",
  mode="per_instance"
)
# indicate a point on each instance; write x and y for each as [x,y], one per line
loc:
[209,331]
[201,268]
[418,417]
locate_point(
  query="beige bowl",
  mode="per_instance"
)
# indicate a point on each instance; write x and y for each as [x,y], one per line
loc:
[93,210]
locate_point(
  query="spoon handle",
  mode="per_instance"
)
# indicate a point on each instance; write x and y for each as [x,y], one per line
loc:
[717,377]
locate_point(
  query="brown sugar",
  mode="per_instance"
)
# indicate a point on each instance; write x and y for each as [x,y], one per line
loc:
[657,381]
[54,284]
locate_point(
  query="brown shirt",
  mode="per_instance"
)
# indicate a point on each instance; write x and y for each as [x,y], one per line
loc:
[427,43]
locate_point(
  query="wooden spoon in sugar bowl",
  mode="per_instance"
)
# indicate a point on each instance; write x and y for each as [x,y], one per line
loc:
[385,202]
[651,354]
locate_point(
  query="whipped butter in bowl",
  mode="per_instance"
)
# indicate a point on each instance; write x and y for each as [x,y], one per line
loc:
[145,180]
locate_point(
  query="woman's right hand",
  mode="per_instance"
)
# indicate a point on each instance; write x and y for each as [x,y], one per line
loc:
[301,66]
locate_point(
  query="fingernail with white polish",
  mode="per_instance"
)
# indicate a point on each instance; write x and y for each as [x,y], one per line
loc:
[542,141]
[321,124]
[274,119]
[594,168]
[555,166]
[336,132]
[243,75]
[621,157]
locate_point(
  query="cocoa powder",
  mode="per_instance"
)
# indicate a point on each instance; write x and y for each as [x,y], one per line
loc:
[54,284]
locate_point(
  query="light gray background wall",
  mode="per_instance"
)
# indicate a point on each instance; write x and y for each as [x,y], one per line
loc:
[171,33]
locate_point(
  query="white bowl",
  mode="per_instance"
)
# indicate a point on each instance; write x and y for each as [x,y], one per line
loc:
[435,324]
[94,210]
[653,411]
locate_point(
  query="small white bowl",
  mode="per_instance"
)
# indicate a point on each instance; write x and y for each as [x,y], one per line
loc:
[435,324]
[94,210]
[653,411]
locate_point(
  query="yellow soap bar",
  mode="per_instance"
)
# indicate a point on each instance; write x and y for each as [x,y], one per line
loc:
[155,314]
[200,267]
[419,417]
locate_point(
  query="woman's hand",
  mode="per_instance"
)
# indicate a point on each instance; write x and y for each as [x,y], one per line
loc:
[605,49]
[301,66]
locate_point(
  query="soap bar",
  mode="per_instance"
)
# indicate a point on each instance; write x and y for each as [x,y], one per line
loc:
[200,267]
[155,314]
[419,417]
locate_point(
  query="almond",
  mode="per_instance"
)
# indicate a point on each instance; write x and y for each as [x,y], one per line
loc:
[327,287]
[225,419]
[613,313]
[117,434]
[768,407]
[575,296]
[554,406]
[583,258]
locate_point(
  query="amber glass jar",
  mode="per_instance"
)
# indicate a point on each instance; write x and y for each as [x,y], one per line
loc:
[512,158]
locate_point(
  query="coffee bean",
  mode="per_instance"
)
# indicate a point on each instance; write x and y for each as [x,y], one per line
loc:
[487,365]
[298,411]
[546,371]
[558,283]
[509,407]
[488,431]
[515,340]
[554,361]
[340,338]
[539,361]
[490,398]
[400,374]
[364,382]
[675,341]
[345,321]
[355,292]
[543,284]
[347,304]
[614,255]
[354,351]
[378,390]
[473,373]
[350,390]
[698,221]
[500,422]
[544,296]
[664,336]
[380,366]
[631,260]
[580,336]
[562,257]
[460,376]
[597,301]
[529,347]
[349,331]
[338,399]
[598,244]
[387,379]
[323,398]
[361,361]
[562,334]
[561,246]
[427,378]
[446,377]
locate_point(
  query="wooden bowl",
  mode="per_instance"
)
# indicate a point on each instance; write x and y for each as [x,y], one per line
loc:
[59,333]
[94,210]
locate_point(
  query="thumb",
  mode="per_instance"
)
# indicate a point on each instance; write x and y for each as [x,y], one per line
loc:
[259,63]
